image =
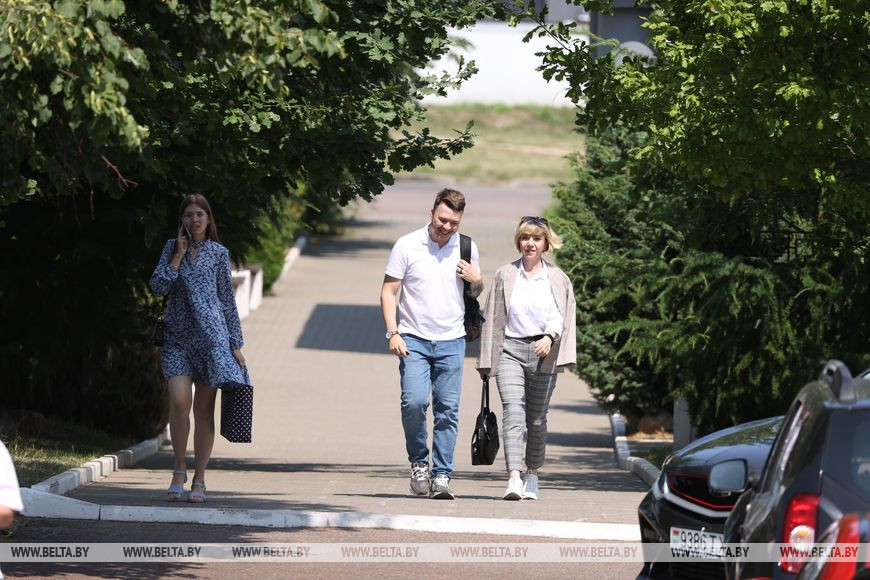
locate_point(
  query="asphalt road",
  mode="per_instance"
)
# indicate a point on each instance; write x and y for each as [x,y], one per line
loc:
[34,530]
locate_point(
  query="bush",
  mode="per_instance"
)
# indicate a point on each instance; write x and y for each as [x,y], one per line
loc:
[73,291]
[607,243]
[276,234]
[681,294]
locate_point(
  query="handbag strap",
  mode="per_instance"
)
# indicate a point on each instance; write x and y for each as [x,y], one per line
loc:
[484,395]
[166,296]
[465,254]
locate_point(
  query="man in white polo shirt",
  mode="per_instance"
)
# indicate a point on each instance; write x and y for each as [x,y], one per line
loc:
[429,336]
[10,495]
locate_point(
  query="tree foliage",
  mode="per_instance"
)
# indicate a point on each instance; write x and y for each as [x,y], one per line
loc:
[607,244]
[113,110]
[753,170]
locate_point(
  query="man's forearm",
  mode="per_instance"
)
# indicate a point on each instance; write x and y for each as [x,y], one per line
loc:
[388,310]
[474,290]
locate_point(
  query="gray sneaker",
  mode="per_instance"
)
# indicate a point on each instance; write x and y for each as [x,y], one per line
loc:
[440,488]
[420,478]
[530,486]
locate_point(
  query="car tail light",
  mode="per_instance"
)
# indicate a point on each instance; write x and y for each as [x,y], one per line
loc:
[799,530]
[850,533]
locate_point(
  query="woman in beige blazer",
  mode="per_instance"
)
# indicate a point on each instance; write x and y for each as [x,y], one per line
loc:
[529,336]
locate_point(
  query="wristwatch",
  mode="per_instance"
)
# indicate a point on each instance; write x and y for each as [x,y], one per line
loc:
[552,337]
[391,334]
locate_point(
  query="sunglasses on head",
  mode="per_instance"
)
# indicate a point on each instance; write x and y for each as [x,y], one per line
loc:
[535,220]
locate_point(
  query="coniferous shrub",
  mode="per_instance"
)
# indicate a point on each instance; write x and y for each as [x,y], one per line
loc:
[732,305]
[606,241]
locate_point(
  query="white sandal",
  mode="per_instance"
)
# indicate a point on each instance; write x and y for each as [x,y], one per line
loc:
[176,492]
[196,496]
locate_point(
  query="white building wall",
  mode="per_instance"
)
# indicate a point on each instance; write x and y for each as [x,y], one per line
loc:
[507,69]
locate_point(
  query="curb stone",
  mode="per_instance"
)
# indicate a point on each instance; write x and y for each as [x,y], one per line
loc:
[41,504]
[359,520]
[646,471]
[99,468]
[293,253]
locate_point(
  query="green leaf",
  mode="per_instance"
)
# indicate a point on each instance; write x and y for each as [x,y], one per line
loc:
[68,8]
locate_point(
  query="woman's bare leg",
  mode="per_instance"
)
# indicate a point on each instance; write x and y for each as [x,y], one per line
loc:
[180,400]
[203,429]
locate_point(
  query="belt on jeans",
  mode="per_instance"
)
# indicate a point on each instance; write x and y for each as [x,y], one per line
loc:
[535,338]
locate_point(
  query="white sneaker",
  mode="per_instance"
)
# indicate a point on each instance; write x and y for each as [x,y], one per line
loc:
[420,478]
[440,488]
[530,486]
[514,489]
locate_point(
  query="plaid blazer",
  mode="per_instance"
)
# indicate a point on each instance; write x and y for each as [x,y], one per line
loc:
[564,351]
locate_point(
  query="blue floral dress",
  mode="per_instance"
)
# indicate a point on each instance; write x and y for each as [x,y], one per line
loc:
[202,322]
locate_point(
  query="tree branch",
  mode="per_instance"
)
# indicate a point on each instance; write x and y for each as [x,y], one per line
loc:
[122,181]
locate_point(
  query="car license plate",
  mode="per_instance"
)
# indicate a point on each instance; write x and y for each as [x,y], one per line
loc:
[698,543]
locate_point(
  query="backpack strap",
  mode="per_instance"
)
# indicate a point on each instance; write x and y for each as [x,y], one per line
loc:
[465,247]
[465,254]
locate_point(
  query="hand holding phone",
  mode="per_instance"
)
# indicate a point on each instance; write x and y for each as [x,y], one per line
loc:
[187,233]
[182,242]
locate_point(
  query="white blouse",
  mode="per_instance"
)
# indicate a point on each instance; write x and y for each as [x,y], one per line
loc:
[533,309]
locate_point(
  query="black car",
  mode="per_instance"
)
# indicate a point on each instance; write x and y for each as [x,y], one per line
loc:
[818,469]
[680,510]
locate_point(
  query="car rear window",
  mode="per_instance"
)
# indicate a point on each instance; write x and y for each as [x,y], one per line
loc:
[847,454]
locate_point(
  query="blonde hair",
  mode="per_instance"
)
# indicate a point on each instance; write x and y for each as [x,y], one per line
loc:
[535,228]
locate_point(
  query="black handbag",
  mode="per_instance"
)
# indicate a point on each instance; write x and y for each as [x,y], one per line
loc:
[159,327]
[237,410]
[484,440]
[473,316]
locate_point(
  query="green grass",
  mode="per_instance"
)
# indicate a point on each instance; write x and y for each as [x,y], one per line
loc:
[511,142]
[55,446]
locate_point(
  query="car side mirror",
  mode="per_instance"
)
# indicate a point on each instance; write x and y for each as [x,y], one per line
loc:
[752,480]
[728,477]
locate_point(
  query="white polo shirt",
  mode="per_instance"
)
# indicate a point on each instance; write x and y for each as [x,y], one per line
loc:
[430,300]
[533,308]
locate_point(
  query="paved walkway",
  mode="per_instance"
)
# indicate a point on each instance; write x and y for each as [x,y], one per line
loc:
[327,430]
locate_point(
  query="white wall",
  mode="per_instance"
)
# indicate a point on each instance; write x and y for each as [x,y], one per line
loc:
[507,69]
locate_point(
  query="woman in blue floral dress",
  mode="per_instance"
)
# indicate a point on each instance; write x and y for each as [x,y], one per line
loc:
[203,337]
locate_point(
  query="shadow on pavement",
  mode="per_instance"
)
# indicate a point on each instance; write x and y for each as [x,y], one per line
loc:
[367,223]
[552,477]
[344,247]
[122,570]
[254,465]
[602,440]
[586,407]
[345,327]
[351,328]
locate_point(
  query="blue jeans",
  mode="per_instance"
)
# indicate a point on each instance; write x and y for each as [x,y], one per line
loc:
[432,366]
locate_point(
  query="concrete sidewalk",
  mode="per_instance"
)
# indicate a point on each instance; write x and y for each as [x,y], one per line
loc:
[327,445]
